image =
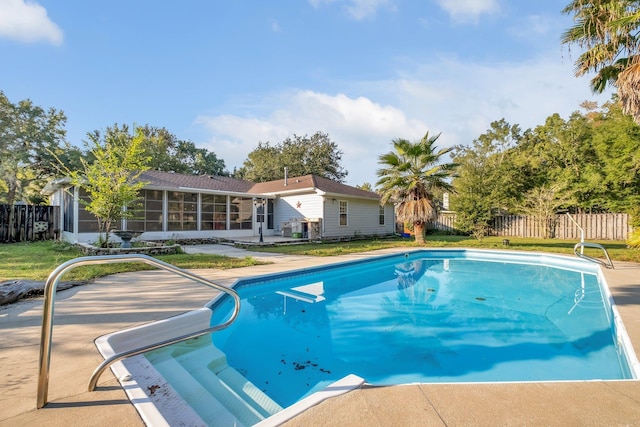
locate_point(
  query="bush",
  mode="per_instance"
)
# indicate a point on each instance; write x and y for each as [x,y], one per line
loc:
[634,238]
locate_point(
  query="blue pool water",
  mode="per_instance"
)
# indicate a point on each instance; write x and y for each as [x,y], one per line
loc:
[443,316]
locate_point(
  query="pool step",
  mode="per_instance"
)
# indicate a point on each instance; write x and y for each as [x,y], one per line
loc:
[249,392]
[213,388]
[217,371]
[200,399]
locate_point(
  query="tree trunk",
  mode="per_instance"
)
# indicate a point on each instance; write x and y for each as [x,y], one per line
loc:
[418,229]
[107,231]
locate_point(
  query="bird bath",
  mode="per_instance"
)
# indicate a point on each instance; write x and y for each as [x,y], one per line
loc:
[126,236]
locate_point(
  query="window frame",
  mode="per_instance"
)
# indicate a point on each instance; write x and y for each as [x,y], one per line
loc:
[343,213]
[214,212]
[182,211]
[381,215]
[241,213]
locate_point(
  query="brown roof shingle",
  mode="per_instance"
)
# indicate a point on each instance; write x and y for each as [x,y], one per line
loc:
[311,182]
[226,184]
[202,182]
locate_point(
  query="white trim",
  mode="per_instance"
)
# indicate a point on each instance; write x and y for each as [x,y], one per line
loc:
[342,386]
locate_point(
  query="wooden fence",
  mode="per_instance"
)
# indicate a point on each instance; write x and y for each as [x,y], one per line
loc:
[596,226]
[19,223]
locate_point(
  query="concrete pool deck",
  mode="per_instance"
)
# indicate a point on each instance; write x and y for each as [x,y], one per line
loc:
[124,300]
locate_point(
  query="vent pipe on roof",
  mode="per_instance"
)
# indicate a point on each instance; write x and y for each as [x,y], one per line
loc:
[285,176]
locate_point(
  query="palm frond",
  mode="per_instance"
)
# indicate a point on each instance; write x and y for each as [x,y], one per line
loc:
[628,84]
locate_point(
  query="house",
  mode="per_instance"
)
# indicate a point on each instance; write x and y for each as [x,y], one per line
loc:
[176,206]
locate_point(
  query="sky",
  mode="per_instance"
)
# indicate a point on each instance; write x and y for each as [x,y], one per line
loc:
[228,74]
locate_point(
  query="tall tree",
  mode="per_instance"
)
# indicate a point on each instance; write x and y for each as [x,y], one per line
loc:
[562,153]
[264,163]
[486,181]
[608,31]
[616,143]
[410,175]
[588,163]
[29,135]
[170,154]
[301,155]
[110,175]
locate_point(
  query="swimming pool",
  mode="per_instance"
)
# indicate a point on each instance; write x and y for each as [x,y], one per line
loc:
[425,316]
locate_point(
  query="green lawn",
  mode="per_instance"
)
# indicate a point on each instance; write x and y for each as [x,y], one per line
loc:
[618,250]
[35,260]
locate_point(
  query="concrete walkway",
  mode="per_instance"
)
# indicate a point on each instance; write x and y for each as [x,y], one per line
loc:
[124,300]
[232,251]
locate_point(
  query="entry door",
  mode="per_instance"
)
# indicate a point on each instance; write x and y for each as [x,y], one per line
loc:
[258,216]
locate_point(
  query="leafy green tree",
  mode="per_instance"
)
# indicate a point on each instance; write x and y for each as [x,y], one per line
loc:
[591,162]
[607,31]
[110,175]
[616,142]
[170,154]
[594,157]
[563,153]
[264,163]
[486,181]
[365,186]
[29,137]
[472,199]
[301,155]
[409,176]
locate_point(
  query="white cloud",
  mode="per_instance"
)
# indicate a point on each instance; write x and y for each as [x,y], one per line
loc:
[234,137]
[358,9]
[469,10]
[538,29]
[461,99]
[456,98]
[362,129]
[27,22]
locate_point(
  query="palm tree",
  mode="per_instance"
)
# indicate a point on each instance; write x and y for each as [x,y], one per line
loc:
[607,30]
[409,177]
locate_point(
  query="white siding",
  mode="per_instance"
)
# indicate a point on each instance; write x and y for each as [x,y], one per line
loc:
[362,218]
[297,207]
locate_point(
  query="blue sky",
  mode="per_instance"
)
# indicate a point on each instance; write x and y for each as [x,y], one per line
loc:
[227,74]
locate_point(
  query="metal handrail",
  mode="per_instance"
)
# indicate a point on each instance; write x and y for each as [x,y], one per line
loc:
[582,245]
[581,231]
[49,300]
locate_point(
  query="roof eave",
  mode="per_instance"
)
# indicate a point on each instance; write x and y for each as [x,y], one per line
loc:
[55,185]
[351,196]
